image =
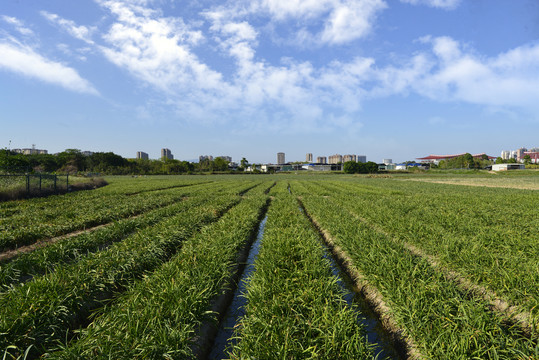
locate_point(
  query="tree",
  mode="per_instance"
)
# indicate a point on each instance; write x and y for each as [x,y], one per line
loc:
[468,160]
[350,167]
[244,164]
[499,160]
[527,159]
[371,167]
[220,164]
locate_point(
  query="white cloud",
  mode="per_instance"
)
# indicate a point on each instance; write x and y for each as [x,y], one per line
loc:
[80,32]
[508,79]
[350,20]
[295,95]
[19,26]
[318,22]
[25,61]
[443,4]
[156,49]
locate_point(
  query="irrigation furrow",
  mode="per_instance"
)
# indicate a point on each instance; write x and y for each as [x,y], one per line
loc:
[209,333]
[44,312]
[295,306]
[431,310]
[402,343]
[174,302]
[512,313]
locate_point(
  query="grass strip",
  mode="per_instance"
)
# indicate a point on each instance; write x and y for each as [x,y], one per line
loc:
[295,307]
[159,316]
[443,321]
[43,312]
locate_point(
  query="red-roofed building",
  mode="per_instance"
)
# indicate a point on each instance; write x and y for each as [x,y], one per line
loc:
[534,156]
[437,158]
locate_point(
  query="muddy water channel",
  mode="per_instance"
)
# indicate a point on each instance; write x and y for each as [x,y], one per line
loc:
[374,330]
[375,333]
[237,308]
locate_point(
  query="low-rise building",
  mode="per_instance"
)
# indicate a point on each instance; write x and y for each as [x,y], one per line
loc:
[505,167]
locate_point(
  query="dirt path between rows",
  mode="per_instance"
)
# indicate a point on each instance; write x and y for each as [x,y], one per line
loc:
[480,183]
[10,254]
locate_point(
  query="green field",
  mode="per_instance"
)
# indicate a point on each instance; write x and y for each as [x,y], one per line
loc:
[142,268]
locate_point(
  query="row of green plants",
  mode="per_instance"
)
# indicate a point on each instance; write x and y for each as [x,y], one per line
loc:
[295,307]
[438,318]
[477,232]
[46,259]
[27,221]
[162,316]
[44,313]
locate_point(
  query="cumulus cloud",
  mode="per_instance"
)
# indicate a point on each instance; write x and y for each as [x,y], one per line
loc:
[25,61]
[322,22]
[508,79]
[350,20]
[80,32]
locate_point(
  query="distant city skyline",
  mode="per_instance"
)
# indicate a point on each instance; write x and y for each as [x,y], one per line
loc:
[249,78]
[165,152]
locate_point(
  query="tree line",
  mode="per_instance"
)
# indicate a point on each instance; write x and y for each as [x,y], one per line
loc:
[73,161]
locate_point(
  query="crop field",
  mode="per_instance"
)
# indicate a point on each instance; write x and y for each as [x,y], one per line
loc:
[344,267]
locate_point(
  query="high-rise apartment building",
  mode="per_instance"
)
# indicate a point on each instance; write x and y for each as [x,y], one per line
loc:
[142,155]
[202,158]
[280,158]
[335,159]
[346,158]
[309,157]
[321,160]
[166,154]
[361,158]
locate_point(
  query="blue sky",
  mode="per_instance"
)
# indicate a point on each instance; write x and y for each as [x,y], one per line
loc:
[393,79]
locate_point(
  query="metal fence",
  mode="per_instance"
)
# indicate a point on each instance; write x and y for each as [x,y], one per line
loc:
[33,184]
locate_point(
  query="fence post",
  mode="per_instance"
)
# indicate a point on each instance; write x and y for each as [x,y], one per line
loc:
[67,182]
[40,183]
[27,184]
[55,176]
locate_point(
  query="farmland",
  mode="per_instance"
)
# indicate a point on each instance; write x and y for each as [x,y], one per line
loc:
[145,268]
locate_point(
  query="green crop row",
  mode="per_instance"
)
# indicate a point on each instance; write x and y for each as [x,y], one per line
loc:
[160,316]
[477,232]
[35,219]
[295,307]
[443,321]
[43,312]
[47,259]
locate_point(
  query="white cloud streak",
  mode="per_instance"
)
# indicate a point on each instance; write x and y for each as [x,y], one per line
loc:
[443,4]
[25,61]
[18,25]
[80,32]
